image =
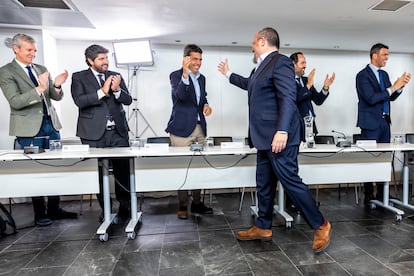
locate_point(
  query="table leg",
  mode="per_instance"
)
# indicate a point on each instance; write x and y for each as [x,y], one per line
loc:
[385,203]
[406,177]
[108,217]
[135,215]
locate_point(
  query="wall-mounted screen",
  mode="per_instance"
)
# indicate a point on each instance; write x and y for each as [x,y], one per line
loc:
[133,53]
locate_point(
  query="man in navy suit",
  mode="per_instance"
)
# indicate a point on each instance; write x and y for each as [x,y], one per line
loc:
[374,95]
[100,95]
[187,124]
[275,130]
[306,92]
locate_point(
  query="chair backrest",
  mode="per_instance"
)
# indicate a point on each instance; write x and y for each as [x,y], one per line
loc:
[324,139]
[71,141]
[409,138]
[219,139]
[161,139]
[358,136]
[16,145]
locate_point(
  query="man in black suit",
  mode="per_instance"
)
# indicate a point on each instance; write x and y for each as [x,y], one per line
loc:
[306,92]
[275,131]
[99,95]
[375,92]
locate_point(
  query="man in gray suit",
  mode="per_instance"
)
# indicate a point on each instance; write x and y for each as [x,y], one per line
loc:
[29,89]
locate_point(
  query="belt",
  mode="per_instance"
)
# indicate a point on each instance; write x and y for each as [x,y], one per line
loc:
[198,123]
[113,127]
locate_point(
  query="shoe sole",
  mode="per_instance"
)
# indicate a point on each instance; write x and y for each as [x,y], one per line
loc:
[254,238]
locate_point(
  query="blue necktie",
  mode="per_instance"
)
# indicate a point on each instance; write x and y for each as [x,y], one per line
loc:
[386,108]
[32,77]
[36,83]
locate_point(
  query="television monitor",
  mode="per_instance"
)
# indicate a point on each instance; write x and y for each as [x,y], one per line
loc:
[133,53]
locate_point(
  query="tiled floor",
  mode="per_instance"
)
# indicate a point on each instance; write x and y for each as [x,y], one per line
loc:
[364,242]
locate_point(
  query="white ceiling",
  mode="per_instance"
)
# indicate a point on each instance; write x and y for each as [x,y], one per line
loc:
[304,24]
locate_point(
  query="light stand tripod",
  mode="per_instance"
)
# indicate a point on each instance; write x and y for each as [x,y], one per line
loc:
[136,114]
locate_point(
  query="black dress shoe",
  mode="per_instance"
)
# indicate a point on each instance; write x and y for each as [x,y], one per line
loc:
[43,222]
[200,208]
[62,214]
[368,198]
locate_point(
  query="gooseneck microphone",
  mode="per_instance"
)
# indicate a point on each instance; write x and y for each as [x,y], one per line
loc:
[341,133]
[342,144]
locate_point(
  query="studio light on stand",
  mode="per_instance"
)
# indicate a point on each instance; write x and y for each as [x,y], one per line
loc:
[133,54]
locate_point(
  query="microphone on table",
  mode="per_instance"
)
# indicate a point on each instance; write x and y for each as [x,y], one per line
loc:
[34,149]
[342,144]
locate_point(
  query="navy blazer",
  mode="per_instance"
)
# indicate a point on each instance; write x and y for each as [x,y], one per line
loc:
[306,96]
[93,111]
[272,101]
[371,98]
[185,109]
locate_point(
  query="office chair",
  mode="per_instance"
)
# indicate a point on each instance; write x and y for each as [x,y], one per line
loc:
[324,139]
[219,139]
[160,139]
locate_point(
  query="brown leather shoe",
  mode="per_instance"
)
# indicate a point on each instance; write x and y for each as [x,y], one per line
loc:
[182,214]
[322,237]
[254,233]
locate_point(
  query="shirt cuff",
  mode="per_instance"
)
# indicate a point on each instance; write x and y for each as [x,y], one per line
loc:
[100,94]
[185,81]
[228,74]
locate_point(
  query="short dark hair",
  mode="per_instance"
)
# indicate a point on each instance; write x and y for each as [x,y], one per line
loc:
[376,48]
[270,35]
[294,57]
[189,48]
[93,51]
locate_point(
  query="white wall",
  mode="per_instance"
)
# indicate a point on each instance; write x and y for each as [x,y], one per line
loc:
[151,86]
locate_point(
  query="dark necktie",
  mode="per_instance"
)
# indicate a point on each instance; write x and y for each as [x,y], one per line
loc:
[298,81]
[32,77]
[386,108]
[36,83]
[101,80]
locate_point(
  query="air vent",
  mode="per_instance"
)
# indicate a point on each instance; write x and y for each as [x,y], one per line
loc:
[390,5]
[45,4]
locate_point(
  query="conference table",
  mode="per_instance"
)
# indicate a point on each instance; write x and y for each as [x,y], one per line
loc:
[152,169]
[328,164]
[175,168]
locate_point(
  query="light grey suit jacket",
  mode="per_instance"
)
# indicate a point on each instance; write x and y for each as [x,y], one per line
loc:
[26,107]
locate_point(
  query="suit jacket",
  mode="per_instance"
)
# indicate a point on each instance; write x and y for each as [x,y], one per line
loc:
[371,98]
[306,96]
[185,109]
[26,107]
[93,111]
[272,101]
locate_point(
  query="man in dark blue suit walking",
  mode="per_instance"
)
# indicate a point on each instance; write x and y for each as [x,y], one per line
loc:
[275,131]
[374,95]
